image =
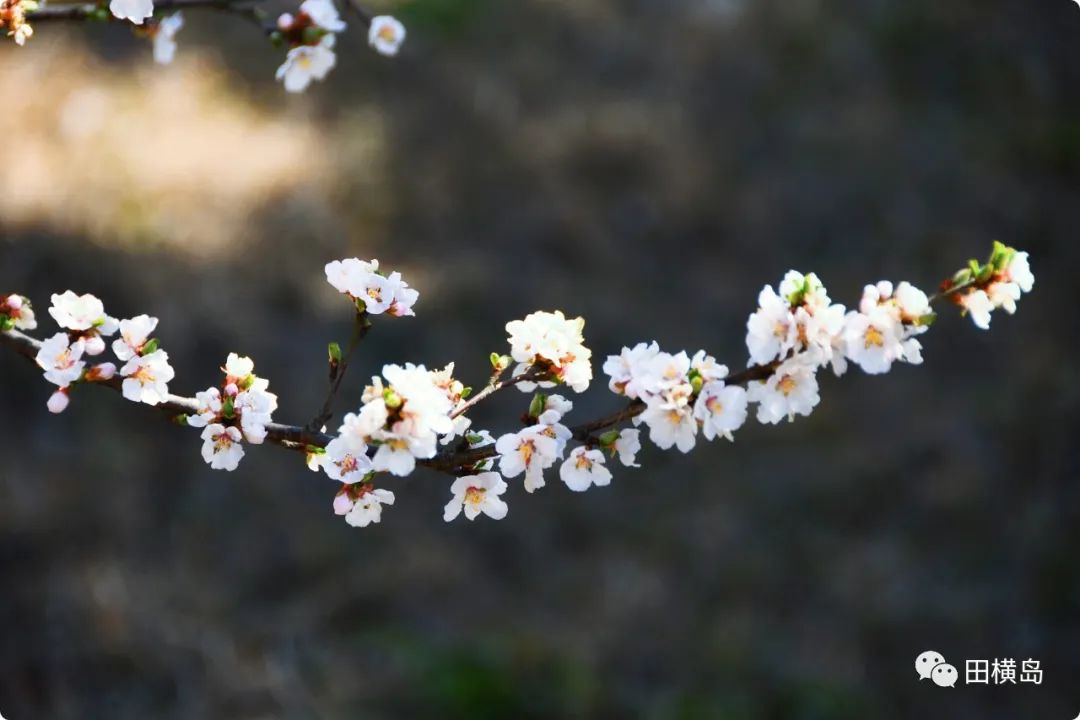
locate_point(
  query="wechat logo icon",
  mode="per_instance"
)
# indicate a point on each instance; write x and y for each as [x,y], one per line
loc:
[931,665]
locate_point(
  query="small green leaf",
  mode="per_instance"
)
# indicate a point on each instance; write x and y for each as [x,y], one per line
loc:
[536,407]
[608,439]
[926,320]
[150,346]
[334,352]
[466,392]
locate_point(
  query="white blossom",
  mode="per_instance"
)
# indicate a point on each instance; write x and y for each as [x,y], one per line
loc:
[530,451]
[61,359]
[305,63]
[221,447]
[367,508]
[386,35]
[791,390]
[1003,295]
[403,299]
[670,426]
[147,377]
[583,469]
[977,304]
[346,461]
[628,445]
[209,408]
[81,313]
[1019,272]
[255,406]
[771,330]
[627,369]
[477,494]
[134,334]
[324,14]
[872,341]
[551,341]
[721,409]
[134,10]
[165,38]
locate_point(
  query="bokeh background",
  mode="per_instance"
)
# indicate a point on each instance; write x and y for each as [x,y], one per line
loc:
[648,164]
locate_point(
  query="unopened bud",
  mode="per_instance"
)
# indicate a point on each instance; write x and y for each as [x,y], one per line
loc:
[58,401]
[95,345]
[15,302]
[285,21]
[232,390]
[104,371]
[342,504]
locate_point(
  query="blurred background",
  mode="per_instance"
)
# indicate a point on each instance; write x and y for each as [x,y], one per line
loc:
[648,164]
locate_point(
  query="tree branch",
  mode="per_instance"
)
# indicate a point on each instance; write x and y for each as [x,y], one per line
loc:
[452,460]
[92,11]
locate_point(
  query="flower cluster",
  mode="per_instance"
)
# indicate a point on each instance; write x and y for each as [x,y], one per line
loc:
[400,421]
[884,328]
[372,291]
[240,410]
[13,17]
[146,371]
[538,446]
[979,289]
[681,394]
[311,35]
[409,412]
[551,345]
[17,313]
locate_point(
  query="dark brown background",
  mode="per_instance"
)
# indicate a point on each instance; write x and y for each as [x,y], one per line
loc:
[648,165]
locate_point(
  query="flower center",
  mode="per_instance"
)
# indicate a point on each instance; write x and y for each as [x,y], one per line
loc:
[474,496]
[527,449]
[873,337]
[787,384]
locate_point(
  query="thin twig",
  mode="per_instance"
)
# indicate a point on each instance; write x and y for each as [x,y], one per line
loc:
[361,326]
[495,385]
[88,11]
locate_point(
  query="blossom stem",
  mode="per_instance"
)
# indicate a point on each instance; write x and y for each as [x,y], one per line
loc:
[361,326]
[494,386]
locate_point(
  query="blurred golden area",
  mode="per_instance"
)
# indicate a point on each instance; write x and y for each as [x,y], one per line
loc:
[172,156]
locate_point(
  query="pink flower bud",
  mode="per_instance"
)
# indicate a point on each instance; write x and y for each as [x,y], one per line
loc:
[342,504]
[285,21]
[15,302]
[58,401]
[231,390]
[104,371]
[95,345]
